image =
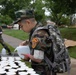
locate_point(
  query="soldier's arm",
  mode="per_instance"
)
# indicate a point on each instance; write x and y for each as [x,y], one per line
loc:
[40,40]
[39,43]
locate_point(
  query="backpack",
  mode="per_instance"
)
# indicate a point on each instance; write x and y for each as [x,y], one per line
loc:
[61,61]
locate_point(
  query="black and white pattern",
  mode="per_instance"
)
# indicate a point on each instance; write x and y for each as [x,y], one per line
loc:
[14,66]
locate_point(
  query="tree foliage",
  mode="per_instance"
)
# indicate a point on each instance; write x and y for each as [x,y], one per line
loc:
[57,8]
[5,19]
[65,6]
[39,12]
[60,7]
[10,6]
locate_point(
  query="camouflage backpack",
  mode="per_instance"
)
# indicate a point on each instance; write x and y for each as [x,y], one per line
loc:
[61,61]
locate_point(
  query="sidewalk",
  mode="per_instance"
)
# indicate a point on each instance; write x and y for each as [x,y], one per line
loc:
[14,42]
[73,67]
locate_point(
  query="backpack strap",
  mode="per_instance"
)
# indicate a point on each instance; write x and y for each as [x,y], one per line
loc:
[50,65]
[68,67]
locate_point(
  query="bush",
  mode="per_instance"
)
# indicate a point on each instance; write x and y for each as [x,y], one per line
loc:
[5,19]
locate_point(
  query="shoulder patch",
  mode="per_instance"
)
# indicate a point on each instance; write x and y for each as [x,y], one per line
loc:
[34,42]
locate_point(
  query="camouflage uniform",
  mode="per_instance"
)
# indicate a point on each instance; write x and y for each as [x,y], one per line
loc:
[3,43]
[42,44]
[38,41]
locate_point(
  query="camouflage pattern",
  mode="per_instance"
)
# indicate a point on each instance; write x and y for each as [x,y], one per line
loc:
[50,41]
[23,14]
[61,57]
[41,36]
[39,41]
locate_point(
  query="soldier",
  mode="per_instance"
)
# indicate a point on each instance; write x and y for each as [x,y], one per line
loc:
[38,41]
[3,43]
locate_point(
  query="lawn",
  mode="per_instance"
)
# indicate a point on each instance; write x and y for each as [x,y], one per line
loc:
[72,51]
[16,33]
[69,33]
[11,48]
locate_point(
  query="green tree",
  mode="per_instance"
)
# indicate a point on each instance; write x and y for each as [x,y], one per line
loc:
[37,6]
[60,7]
[65,20]
[5,19]
[10,6]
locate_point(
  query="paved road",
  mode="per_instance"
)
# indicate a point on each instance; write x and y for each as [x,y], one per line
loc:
[14,42]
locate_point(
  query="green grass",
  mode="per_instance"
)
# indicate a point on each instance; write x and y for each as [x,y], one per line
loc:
[16,33]
[72,51]
[69,33]
[11,48]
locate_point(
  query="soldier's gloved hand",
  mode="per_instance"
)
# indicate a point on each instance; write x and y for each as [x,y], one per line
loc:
[24,43]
